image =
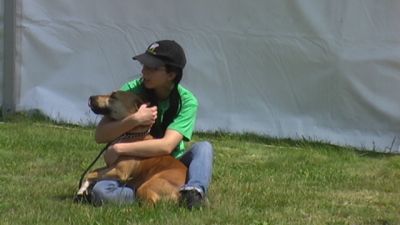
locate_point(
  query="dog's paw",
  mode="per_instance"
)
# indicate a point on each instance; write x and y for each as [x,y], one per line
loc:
[84,188]
[82,198]
[83,195]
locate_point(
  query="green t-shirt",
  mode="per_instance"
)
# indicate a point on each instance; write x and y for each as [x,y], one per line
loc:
[185,121]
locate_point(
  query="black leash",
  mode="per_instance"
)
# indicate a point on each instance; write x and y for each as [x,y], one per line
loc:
[125,136]
[91,164]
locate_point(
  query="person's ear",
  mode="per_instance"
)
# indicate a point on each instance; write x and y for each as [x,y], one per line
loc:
[171,76]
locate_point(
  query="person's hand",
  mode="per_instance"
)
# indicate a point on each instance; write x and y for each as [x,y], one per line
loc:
[146,116]
[111,155]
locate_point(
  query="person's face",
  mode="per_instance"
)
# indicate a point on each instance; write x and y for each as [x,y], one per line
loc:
[154,78]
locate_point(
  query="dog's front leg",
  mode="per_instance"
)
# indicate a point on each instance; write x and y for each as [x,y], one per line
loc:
[96,175]
[84,187]
[103,173]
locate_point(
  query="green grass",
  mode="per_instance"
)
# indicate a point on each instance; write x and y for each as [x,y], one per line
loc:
[256,180]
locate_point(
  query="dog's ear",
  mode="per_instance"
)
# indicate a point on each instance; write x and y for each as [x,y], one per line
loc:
[141,99]
[146,99]
[137,101]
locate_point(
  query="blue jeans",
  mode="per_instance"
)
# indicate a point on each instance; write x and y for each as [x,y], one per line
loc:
[199,160]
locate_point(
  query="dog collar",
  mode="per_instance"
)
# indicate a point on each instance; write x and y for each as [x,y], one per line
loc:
[135,135]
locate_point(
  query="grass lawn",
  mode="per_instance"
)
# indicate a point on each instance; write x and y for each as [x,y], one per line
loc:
[256,180]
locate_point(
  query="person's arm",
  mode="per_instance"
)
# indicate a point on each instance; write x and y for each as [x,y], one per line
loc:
[108,130]
[147,148]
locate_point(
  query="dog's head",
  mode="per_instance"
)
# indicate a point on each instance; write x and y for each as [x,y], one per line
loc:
[117,105]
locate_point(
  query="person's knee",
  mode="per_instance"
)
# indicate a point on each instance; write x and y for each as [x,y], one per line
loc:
[104,186]
[111,191]
[204,148]
[102,189]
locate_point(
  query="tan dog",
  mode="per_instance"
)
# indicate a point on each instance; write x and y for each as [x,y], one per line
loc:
[153,178]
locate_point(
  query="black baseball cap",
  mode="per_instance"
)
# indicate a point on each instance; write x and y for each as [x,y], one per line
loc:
[161,53]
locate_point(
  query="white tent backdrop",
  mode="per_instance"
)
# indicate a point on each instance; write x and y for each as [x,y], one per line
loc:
[325,70]
[1,47]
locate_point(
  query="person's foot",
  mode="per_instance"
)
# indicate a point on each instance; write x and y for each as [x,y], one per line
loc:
[191,197]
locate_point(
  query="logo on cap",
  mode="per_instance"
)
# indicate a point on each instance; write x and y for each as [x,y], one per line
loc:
[152,48]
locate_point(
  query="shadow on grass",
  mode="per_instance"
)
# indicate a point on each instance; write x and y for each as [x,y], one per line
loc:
[298,143]
[63,197]
[374,154]
[36,115]
[71,199]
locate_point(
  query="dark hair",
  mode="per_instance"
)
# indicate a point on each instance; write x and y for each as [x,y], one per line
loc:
[175,102]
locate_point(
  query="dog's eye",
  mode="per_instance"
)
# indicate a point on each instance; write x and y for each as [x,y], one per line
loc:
[113,96]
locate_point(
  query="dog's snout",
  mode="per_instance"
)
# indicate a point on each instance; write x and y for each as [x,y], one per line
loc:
[90,101]
[98,105]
